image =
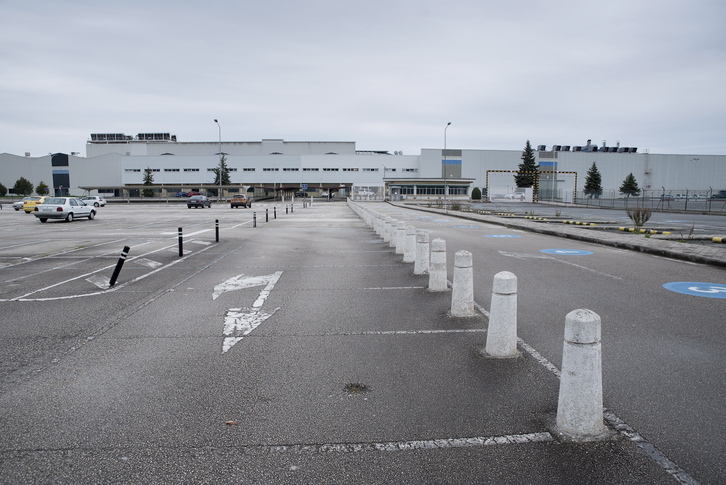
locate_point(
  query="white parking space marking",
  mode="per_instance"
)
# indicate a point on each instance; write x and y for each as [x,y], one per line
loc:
[542,256]
[185,235]
[95,273]
[149,263]
[100,281]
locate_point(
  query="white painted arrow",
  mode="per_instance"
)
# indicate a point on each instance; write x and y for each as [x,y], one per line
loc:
[239,282]
[238,322]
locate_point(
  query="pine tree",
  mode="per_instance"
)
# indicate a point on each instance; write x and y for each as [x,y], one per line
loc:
[148,180]
[224,170]
[525,177]
[593,182]
[630,186]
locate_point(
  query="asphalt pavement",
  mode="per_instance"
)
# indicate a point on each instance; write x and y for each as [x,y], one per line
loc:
[301,351]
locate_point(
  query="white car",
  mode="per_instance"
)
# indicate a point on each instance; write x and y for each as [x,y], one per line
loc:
[366,193]
[514,195]
[95,201]
[68,208]
[19,204]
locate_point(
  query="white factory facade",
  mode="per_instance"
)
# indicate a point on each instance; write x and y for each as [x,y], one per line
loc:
[115,164]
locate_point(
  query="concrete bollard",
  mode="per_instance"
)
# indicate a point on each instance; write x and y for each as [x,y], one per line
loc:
[400,237]
[409,245]
[437,270]
[387,229]
[421,264]
[462,290]
[393,233]
[579,408]
[502,331]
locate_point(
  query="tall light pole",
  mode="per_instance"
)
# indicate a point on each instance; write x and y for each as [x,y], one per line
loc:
[446,183]
[219,170]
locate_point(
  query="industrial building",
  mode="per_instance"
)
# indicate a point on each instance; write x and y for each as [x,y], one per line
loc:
[115,165]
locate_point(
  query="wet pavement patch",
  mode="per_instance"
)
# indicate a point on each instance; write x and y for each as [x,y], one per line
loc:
[356,388]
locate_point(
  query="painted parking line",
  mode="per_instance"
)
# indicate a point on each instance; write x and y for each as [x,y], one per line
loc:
[465,227]
[568,252]
[502,235]
[695,288]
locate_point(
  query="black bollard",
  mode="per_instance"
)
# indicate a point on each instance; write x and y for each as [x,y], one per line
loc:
[216,229]
[181,243]
[286,209]
[267,215]
[254,219]
[274,212]
[119,265]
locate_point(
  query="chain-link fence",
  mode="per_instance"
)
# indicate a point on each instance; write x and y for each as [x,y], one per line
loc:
[706,200]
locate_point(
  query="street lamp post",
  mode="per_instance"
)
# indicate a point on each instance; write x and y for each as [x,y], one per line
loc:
[446,183]
[219,170]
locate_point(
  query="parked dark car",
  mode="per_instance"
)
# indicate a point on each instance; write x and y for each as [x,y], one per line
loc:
[198,201]
[300,193]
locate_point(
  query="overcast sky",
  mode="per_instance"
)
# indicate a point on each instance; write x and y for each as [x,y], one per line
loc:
[387,74]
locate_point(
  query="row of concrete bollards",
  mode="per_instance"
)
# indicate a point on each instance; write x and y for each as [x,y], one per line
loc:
[580,400]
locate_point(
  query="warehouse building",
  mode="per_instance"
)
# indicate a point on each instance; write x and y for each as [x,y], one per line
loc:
[115,165]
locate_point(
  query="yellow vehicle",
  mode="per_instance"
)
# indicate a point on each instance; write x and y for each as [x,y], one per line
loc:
[29,205]
[240,200]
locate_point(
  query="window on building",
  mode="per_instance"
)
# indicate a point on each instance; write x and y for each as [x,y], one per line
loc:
[270,169]
[132,170]
[191,169]
[350,170]
[311,169]
[248,169]
[331,169]
[410,170]
[407,190]
[430,190]
[370,169]
[171,170]
[290,169]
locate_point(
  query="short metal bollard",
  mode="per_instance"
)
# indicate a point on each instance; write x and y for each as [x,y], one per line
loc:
[274,212]
[216,229]
[286,209]
[579,406]
[181,243]
[462,290]
[502,331]
[421,265]
[267,215]
[254,219]
[437,271]
[119,265]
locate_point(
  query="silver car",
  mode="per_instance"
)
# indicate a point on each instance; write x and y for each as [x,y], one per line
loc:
[19,204]
[67,208]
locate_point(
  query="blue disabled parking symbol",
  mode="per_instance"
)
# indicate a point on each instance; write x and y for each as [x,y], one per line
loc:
[566,252]
[694,288]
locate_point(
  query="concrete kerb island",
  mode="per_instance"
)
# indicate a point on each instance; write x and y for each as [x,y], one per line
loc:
[659,247]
